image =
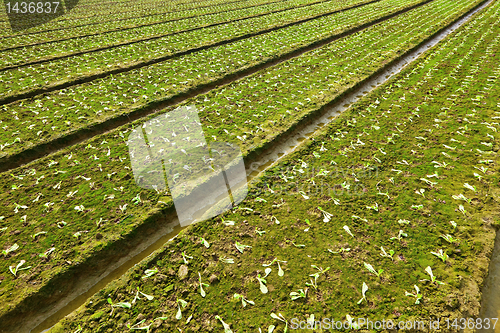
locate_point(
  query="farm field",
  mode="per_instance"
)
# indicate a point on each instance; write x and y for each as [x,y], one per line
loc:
[388,212]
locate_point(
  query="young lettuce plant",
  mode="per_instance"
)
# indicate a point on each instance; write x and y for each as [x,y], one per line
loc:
[204,242]
[300,294]
[387,255]
[202,292]
[184,256]
[125,305]
[244,301]
[150,272]
[374,207]
[326,216]
[10,249]
[241,247]
[370,268]
[227,329]
[346,228]
[400,236]
[145,328]
[227,260]
[441,255]
[433,278]
[342,250]
[364,290]
[316,275]
[148,297]
[280,271]
[449,238]
[280,318]
[183,303]
[262,283]
[417,295]
[18,268]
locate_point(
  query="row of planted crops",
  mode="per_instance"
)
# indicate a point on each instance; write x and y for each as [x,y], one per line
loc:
[391,205]
[387,214]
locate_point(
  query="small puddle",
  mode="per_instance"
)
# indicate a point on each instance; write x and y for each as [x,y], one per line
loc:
[491,301]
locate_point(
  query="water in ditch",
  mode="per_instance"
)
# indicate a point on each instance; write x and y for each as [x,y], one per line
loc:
[491,292]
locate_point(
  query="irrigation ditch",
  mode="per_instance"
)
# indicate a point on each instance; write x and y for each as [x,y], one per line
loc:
[161,226]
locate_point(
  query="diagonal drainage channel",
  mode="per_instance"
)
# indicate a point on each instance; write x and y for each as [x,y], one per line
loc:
[285,146]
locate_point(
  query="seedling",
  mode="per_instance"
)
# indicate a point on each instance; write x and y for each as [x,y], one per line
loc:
[417,207]
[400,235]
[400,221]
[150,272]
[346,228]
[47,253]
[262,282]
[275,219]
[316,275]
[433,278]
[449,238]
[326,216]
[241,247]
[372,270]
[364,290]
[148,297]
[359,218]
[183,303]
[10,249]
[300,294]
[125,305]
[342,250]
[227,260]
[420,192]
[387,255]
[204,242]
[227,329]
[260,232]
[441,255]
[202,292]
[304,195]
[462,209]
[227,223]
[184,256]
[280,271]
[461,197]
[280,318]
[417,295]
[244,301]
[374,207]
[298,245]
[137,199]
[454,224]
[470,187]
[146,328]
[18,268]
[428,182]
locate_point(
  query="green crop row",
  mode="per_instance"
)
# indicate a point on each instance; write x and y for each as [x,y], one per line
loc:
[172,37]
[91,13]
[137,88]
[151,26]
[26,79]
[400,237]
[92,182]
